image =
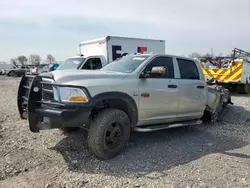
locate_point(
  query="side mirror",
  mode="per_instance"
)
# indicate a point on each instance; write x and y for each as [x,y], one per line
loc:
[156,71]
[159,70]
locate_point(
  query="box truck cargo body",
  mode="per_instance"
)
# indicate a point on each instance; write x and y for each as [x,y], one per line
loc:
[112,47]
[97,53]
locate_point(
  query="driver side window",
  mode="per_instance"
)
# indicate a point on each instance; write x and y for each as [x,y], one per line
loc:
[92,64]
[166,62]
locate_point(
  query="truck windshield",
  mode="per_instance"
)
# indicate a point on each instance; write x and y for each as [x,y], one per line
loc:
[126,64]
[70,63]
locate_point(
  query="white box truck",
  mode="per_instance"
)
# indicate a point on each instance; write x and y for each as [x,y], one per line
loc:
[94,54]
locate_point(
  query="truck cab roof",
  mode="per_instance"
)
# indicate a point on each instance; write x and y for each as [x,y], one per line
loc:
[77,56]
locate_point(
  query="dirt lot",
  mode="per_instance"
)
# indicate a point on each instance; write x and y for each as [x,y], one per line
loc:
[200,156]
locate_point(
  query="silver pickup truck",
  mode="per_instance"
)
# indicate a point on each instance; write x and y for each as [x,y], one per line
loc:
[139,92]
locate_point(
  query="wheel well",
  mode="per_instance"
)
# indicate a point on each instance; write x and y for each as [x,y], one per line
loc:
[206,115]
[120,104]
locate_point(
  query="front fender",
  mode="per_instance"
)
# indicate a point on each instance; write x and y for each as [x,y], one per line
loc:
[121,101]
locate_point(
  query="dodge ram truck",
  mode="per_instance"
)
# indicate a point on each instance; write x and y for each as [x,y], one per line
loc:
[138,92]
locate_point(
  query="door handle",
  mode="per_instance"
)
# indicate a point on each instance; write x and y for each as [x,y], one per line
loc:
[172,86]
[200,87]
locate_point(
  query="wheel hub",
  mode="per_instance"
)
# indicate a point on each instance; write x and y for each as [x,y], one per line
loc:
[113,135]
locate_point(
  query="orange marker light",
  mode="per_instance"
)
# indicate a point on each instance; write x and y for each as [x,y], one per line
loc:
[78,99]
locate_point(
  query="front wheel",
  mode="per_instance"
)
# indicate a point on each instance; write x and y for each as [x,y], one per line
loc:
[67,130]
[108,133]
[11,73]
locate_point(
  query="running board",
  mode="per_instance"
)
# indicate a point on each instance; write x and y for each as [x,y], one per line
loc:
[151,128]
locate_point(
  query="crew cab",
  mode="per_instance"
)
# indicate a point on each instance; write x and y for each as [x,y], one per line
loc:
[138,92]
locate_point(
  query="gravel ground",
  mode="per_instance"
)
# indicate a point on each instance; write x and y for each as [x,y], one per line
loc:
[198,156]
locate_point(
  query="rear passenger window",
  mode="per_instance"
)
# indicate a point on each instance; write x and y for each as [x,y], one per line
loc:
[188,69]
[164,62]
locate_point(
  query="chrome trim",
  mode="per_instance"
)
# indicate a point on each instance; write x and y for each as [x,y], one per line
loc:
[48,80]
[56,94]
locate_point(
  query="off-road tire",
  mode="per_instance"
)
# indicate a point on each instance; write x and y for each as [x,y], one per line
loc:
[243,88]
[67,130]
[99,129]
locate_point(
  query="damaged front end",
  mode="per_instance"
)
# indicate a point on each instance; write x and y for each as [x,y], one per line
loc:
[218,98]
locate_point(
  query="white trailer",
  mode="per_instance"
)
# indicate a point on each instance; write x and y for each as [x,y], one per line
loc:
[94,54]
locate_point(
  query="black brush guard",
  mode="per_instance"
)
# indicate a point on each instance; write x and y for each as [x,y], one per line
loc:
[32,107]
[23,95]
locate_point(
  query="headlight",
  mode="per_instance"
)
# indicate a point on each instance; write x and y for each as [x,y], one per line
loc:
[70,94]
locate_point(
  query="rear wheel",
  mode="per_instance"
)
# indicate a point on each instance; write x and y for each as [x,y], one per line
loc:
[108,133]
[243,88]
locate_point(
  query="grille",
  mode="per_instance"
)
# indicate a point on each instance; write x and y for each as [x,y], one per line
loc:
[47,91]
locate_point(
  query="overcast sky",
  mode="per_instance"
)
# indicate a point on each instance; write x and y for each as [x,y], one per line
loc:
[58,26]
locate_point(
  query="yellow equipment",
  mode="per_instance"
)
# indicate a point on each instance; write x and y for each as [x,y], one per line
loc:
[231,72]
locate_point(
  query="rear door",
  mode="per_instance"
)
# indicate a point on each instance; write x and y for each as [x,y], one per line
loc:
[193,90]
[158,96]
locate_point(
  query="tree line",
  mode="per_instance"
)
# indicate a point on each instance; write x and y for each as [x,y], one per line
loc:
[199,55]
[32,59]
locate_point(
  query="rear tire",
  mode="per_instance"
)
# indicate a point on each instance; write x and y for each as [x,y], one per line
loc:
[243,88]
[109,133]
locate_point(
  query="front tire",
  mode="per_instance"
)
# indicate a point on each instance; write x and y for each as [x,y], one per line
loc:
[67,130]
[11,73]
[109,133]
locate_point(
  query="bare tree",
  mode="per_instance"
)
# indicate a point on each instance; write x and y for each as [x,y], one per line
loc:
[22,60]
[229,55]
[14,61]
[35,59]
[194,55]
[182,55]
[50,59]
[220,54]
[207,55]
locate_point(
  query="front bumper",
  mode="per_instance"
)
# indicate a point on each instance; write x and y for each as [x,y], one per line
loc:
[48,114]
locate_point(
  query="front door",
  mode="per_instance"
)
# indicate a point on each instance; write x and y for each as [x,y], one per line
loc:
[158,96]
[193,90]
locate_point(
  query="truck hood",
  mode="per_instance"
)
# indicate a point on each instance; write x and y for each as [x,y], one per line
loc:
[65,76]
